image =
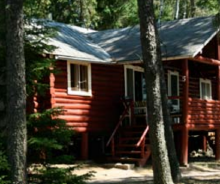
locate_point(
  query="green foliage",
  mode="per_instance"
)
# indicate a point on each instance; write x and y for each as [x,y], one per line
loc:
[55,175]
[205,7]
[4,166]
[38,67]
[80,12]
[116,13]
[46,134]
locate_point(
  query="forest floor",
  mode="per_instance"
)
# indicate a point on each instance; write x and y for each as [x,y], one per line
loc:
[207,172]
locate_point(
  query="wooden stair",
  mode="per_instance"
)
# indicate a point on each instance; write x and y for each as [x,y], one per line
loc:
[129,147]
[129,143]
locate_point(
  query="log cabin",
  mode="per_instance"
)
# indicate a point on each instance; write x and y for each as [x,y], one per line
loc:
[101,87]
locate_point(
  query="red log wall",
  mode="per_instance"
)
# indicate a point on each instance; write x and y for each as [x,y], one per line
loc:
[99,112]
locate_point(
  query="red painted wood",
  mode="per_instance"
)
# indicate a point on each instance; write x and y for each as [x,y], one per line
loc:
[84,146]
[217,144]
[218,76]
[113,147]
[184,151]
[204,142]
[202,59]
[218,48]
[91,113]
[52,81]
[185,90]
[204,111]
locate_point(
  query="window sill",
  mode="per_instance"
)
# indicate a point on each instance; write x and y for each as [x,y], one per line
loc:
[79,93]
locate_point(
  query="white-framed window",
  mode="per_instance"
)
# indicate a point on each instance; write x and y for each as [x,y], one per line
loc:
[205,88]
[173,89]
[135,86]
[79,78]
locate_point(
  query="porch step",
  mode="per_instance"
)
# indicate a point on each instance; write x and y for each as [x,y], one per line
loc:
[125,159]
[132,133]
[129,145]
[126,145]
[128,152]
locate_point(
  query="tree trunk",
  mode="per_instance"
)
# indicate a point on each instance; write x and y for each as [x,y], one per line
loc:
[161,10]
[185,9]
[173,160]
[152,65]
[192,8]
[2,68]
[16,92]
[177,9]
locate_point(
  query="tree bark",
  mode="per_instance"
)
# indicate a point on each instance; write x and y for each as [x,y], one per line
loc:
[16,92]
[173,160]
[184,9]
[2,68]
[161,10]
[152,64]
[177,9]
[192,8]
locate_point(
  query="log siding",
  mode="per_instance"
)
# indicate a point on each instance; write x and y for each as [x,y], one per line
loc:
[98,112]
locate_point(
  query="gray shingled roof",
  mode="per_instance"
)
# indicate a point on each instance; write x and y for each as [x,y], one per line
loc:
[72,44]
[179,39]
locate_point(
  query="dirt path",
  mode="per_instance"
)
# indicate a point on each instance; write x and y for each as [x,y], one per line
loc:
[195,173]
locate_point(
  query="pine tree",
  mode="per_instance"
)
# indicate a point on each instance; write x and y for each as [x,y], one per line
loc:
[16,91]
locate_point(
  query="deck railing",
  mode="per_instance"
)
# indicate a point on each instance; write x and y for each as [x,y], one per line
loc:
[128,104]
[203,111]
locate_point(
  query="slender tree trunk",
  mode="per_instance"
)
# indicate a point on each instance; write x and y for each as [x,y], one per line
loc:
[16,93]
[152,65]
[177,9]
[2,68]
[192,8]
[161,10]
[82,12]
[173,160]
[184,9]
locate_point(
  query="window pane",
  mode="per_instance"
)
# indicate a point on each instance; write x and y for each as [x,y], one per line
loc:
[174,90]
[144,90]
[83,78]
[138,86]
[130,88]
[203,92]
[208,91]
[74,77]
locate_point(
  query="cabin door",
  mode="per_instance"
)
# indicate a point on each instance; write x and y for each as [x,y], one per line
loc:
[173,90]
[135,87]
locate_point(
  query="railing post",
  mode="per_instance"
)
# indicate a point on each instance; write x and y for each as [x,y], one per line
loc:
[184,151]
[132,111]
[217,142]
[143,148]
[113,146]
[218,83]
[185,90]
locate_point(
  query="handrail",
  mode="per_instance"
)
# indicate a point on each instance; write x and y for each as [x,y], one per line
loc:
[174,97]
[143,136]
[127,106]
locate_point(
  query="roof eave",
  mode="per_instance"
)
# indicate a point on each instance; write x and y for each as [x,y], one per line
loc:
[177,57]
[206,42]
[70,58]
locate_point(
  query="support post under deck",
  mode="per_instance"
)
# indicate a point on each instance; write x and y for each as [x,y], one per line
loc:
[185,141]
[217,144]
[185,110]
[84,146]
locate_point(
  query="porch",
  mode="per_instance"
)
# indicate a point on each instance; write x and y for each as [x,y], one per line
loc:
[194,98]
